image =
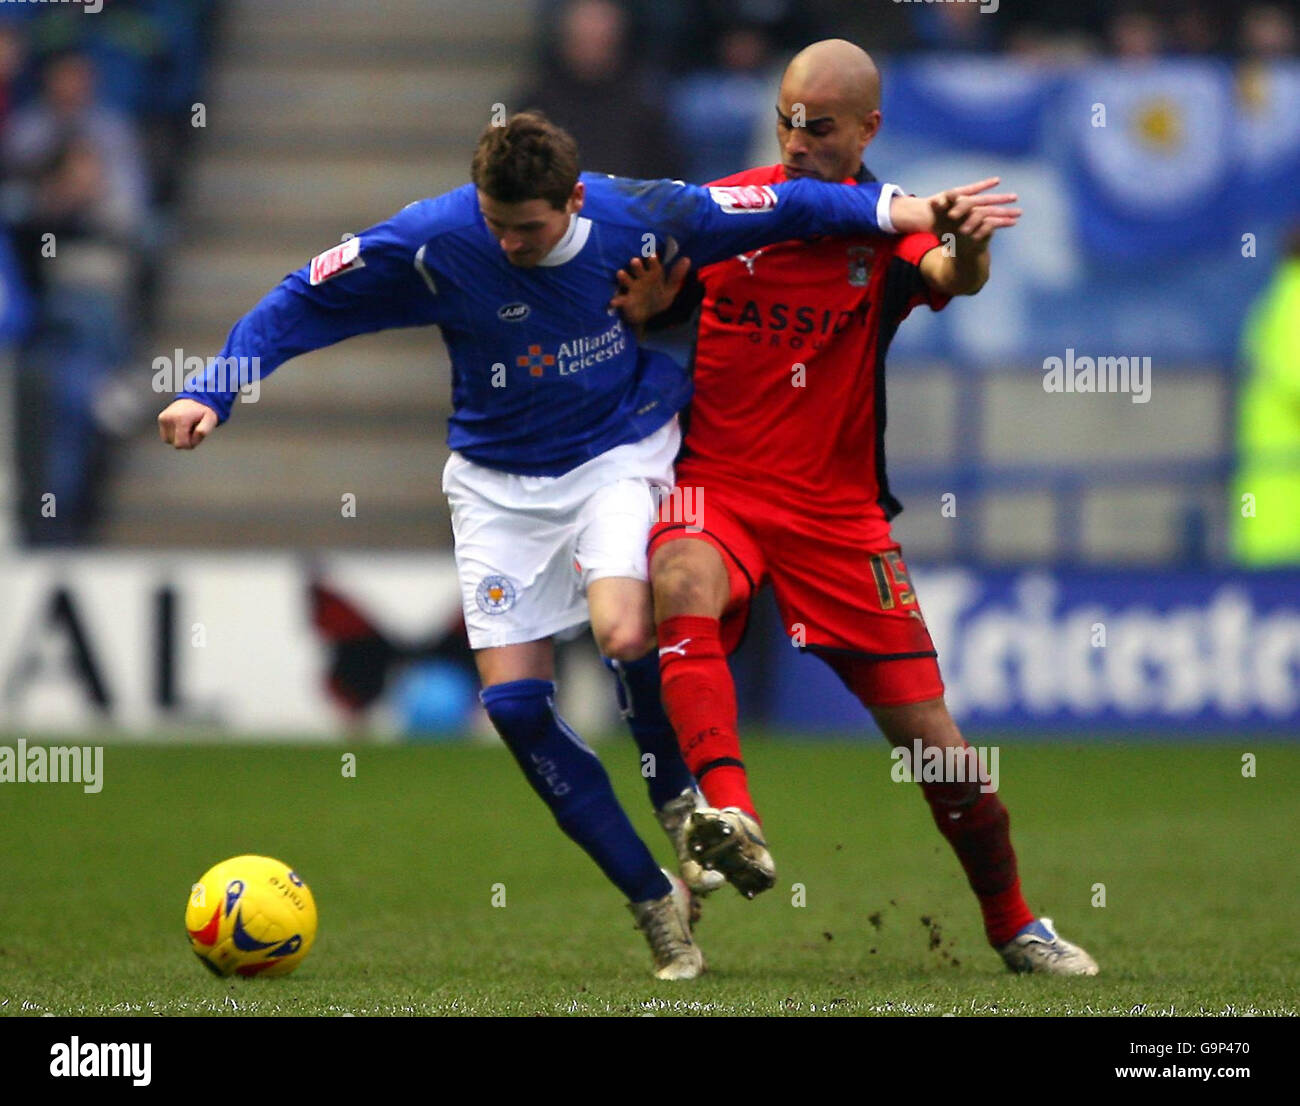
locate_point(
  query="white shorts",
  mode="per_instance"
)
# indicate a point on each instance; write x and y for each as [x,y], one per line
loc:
[527,547]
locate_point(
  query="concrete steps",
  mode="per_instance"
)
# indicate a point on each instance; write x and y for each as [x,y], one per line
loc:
[435,30]
[372,104]
[330,192]
[323,117]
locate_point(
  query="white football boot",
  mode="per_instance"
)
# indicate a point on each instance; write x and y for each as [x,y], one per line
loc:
[666,924]
[731,841]
[1039,948]
[674,816]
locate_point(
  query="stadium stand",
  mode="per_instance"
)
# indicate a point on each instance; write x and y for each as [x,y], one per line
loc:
[272,180]
[277,182]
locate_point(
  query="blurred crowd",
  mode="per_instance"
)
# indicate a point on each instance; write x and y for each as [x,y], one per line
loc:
[691,79]
[95,117]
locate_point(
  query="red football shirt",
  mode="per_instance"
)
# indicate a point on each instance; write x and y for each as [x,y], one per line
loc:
[790,370]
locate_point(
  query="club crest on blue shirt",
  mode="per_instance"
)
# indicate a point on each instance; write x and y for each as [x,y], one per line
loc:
[495,595]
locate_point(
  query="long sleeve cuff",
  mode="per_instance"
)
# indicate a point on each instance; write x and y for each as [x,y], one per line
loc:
[887,194]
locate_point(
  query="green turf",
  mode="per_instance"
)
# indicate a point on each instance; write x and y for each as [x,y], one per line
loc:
[1198,865]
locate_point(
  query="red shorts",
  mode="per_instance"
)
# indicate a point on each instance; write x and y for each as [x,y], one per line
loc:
[851,605]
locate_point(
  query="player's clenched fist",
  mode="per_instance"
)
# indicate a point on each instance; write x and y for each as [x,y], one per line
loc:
[186,422]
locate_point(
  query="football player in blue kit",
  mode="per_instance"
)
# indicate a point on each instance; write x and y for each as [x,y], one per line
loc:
[563,433]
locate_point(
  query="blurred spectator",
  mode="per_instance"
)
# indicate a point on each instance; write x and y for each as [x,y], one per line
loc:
[1195,30]
[878,28]
[1266,501]
[149,56]
[82,337]
[11,66]
[681,36]
[774,25]
[69,108]
[77,199]
[1267,32]
[716,111]
[1132,28]
[1135,35]
[1037,44]
[1053,26]
[80,208]
[124,41]
[954,27]
[656,26]
[592,89]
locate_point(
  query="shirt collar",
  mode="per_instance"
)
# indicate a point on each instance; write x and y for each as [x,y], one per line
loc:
[568,247]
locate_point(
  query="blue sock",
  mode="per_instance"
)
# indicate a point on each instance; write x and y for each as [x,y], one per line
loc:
[643,710]
[572,782]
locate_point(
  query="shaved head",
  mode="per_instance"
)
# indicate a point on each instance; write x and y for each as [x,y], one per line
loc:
[828,109]
[835,69]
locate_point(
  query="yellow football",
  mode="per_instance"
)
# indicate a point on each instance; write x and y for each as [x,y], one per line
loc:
[251,915]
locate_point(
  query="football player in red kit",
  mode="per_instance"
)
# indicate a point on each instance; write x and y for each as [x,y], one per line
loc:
[784,461]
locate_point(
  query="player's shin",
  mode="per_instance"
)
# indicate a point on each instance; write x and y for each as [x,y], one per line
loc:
[673,792]
[700,698]
[573,783]
[978,827]
[662,765]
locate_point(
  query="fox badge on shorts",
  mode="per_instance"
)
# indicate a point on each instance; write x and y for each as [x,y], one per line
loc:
[495,595]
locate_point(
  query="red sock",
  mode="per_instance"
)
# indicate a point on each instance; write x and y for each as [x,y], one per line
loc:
[700,699]
[980,835]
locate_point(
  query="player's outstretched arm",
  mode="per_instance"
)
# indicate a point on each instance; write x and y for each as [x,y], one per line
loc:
[367,283]
[721,221]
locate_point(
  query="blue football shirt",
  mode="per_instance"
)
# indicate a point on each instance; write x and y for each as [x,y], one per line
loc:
[545,375]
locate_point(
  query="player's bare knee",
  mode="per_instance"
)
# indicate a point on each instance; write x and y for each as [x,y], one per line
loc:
[680,587]
[677,590]
[624,641]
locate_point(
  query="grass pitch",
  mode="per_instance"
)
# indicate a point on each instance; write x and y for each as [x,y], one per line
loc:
[1197,862]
